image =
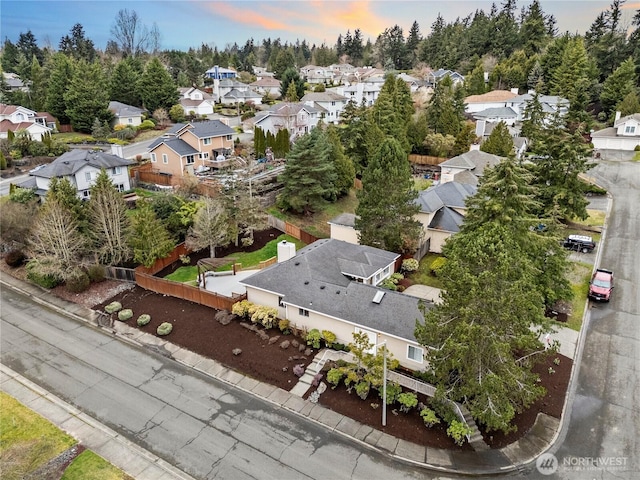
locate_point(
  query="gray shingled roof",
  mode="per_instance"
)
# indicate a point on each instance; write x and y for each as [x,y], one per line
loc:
[177,145]
[346,219]
[448,220]
[206,129]
[450,194]
[314,280]
[502,112]
[120,109]
[475,160]
[327,96]
[74,160]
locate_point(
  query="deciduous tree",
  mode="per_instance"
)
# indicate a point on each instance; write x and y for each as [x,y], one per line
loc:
[211,227]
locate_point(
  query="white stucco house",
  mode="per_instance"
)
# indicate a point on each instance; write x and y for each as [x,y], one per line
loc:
[442,211]
[16,118]
[331,102]
[195,100]
[332,285]
[126,114]
[367,90]
[493,99]
[81,167]
[624,135]
[297,117]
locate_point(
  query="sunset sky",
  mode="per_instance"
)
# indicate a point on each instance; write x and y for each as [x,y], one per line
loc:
[189,23]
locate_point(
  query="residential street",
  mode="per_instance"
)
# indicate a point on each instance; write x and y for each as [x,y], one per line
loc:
[600,440]
[202,426]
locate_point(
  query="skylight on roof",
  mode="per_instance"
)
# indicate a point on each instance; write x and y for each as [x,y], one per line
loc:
[378,296]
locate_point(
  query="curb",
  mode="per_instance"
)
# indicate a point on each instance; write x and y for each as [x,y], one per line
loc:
[234,379]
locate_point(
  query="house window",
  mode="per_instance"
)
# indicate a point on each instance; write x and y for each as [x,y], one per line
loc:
[87,176]
[204,155]
[117,170]
[333,104]
[415,353]
[303,313]
[630,129]
[280,304]
[130,120]
[207,141]
[165,158]
[120,187]
[190,159]
[85,194]
[153,158]
[229,137]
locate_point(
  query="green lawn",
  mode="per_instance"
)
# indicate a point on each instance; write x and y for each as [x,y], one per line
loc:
[89,466]
[579,277]
[27,440]
[247,259]
[64,137]
[423,276]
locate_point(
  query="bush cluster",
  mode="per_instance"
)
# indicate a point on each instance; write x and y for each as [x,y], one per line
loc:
[125,314]
[143,319]
[43,279]
[78,281]
[164,328]
[15,258]
[436,265]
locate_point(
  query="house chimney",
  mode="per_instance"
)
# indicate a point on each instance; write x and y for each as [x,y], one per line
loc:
[286,251]
[617,117]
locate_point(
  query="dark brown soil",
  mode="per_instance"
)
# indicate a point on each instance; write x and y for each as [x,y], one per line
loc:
[196,329]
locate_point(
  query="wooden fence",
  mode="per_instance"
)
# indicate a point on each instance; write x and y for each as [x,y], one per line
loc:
[119,273]
[187,292]
[291,229]
[147,174]
[426,159]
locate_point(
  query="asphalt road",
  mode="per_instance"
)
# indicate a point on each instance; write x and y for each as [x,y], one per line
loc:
[601,438]
[203,427]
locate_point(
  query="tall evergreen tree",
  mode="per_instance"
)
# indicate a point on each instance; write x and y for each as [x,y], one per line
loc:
[309,177]
[77,45]
[618,85]
[342,165]
[288,78]
[413,42]
[474,82]
[533,121]
[10,54]
[109,222]
[147,236]
[499,142]
[387,207]
[38,88]
[123,84]
[156,87]
[61,72]
[629,105]
[533,30]
[443,113]
[87,97]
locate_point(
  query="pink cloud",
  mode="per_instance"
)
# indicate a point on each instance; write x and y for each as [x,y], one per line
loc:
[247,16]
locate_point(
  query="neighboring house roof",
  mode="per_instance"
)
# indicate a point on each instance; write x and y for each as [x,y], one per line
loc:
[496,112]
[316,279]
[633,116]
[267,82]
[120,109]
[489,97]
[344,219]
[9,109]
[474,160]
[449,194]
[71,162]
[447,219]
[466,177]
[178,145]
[243,94]
[47,117]
[13,81]
[543,99]
[327,96]
[605,132]
[6,125]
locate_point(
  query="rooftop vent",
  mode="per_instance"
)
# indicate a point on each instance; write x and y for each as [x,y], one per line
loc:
[321,287]
[378,297]
[306,282]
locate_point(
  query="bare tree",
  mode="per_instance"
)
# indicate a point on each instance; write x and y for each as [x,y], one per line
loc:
[211,227]
[131,34]
[56,245]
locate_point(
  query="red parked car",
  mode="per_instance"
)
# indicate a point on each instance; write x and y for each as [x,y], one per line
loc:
[601,285]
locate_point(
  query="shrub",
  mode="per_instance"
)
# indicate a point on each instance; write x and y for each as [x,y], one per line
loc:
[407,401]
[45,280]
[78,282]
[96,273]
[113,307]
[334,376]
[241,308]
[329,338]
[429,417]
[362,389]
[458,431]
[283,326]
[410,265]
[143,319]
[314,337]
[164,328]
[22,195]
[125,314]
[146,125]
[15,258]
[266,316]
[389,284]
[637,148]
[436,265]
[38,149]
[444,410]
[393,390]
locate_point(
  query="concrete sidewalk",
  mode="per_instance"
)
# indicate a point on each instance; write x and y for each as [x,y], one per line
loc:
[485,462]
[129,457]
